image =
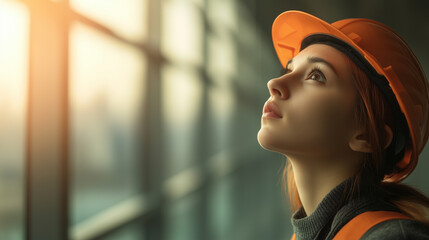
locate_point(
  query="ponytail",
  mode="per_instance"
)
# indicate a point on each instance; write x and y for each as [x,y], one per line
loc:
[410,201]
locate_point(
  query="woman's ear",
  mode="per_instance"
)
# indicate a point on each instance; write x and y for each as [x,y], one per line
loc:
[360,142]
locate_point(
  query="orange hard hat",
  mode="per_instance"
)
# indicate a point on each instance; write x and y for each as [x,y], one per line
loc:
[386,59]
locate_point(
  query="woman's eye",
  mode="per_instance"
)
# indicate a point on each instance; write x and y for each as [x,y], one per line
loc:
[317,76]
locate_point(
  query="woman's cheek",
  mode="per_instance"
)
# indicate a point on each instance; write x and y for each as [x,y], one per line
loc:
[320,123]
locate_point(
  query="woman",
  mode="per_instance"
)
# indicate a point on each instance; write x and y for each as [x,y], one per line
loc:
[350,114]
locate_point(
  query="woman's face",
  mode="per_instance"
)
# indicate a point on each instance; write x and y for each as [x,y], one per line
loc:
[310,109]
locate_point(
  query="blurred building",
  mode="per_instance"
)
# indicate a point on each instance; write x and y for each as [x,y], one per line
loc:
[137,119]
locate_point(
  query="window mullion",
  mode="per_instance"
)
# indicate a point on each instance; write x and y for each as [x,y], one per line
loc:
[47,136]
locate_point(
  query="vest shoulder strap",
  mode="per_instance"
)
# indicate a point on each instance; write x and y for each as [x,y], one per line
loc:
[360,224]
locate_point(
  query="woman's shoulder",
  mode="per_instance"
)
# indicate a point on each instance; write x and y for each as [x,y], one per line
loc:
[401,229]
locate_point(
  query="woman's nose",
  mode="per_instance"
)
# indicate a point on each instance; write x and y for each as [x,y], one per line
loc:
[277,88]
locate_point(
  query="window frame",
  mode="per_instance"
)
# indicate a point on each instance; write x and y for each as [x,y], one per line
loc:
[47,166]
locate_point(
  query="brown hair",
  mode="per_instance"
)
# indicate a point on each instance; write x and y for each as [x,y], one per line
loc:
[371,112]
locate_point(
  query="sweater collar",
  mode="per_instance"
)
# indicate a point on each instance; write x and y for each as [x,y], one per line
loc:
[307,227]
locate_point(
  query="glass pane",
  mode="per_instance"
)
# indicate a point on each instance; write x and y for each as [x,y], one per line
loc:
[221,105]
[222,56]
[14,31]
[182,93]
[182,218]
[126,17]
[182,29]
[224,14]
[106,87]
[221,209]
[131,231]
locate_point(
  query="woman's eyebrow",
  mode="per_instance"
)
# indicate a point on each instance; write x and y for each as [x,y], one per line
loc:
[313,59]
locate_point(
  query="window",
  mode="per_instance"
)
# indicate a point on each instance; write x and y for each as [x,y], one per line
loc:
[107,80]
[136,120]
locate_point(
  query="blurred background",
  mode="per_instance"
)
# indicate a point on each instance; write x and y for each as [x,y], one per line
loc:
[137,119]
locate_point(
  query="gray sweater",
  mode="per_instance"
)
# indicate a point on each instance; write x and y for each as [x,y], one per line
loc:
[331,215]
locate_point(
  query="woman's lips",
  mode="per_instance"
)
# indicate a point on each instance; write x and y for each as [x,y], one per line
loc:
[271,111]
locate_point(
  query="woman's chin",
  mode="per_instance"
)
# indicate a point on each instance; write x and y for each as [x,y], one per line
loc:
[266,140]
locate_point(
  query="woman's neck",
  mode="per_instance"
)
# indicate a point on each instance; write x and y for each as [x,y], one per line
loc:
[314,180]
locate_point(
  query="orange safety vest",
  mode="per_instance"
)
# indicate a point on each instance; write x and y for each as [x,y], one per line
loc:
[358,226]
